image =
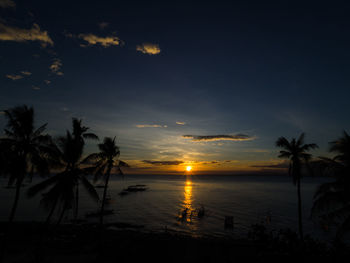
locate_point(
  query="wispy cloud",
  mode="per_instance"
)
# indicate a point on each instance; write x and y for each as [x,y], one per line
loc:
[14,77]
[7,4]
[103,25]
[163,162]
[8,33]
[207,138]
[281,165]
[148,48]
[23,74]
[27,73]
[35,87]
[56,66]
[92,39]
[151,126]
[218,162]
[180,123]
[47,81]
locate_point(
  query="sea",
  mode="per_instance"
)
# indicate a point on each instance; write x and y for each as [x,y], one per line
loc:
[198,205]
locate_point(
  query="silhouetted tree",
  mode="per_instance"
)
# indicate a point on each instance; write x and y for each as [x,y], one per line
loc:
[296,152]
[25,150]
[332,199]
[103,162]
[62,186]
[80,133]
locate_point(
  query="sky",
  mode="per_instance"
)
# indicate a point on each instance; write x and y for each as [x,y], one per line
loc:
[208,84]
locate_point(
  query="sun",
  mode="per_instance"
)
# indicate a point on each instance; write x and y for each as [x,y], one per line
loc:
[188,168]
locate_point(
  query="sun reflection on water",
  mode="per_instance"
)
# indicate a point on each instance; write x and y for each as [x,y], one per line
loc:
[187,209]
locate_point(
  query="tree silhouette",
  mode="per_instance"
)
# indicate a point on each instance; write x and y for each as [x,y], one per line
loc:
[62,186]
[25,150]
[296,152]
[103,162]
[79,135]
[332,199]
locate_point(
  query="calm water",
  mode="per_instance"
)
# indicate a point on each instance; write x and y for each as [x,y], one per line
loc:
[249,199]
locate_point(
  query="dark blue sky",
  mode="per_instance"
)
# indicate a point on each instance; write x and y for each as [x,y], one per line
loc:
[218,68]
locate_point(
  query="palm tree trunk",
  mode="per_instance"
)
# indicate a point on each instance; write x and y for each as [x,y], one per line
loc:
[15,203]
[301,234]
[105,194]
[51,212]
[76,202]
[61,216]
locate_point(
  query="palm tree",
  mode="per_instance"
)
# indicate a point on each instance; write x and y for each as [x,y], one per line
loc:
[332,199]
[79,135]
[27,149]
[104,161]
[62,186]
[296,152]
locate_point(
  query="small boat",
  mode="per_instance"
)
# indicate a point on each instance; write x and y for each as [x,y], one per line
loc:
[136,188]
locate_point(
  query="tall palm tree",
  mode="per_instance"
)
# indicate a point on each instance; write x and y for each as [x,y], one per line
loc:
[61,187]
[296,152]
[27,149]
[80,133]
[332,199]
[103,162]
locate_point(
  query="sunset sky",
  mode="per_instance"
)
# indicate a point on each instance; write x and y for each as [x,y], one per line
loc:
[212,85]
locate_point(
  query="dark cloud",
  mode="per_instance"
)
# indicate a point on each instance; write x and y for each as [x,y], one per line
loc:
[207,138]
[273,166]
[163,162]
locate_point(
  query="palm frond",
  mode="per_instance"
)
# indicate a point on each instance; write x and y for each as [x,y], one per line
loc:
[283,143]
[90,188]
[34,190]
[327,201]
[300,140]
[92,158]
[90,136]
[123,164]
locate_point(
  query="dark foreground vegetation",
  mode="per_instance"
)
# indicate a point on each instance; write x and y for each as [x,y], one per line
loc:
[34,242]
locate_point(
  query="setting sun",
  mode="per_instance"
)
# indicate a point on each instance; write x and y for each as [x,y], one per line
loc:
[188,168]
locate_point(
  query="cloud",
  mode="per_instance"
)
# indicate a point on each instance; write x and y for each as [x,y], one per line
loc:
[207,138]
[163,162]
[92,39]
[103,25]
[14,77]
[7,4]
[56,66]
[281,165]
[180,123]
[148,48]
[35,87]
[2,112]
[27,73]
[8,33]
[151,126]
[47,81]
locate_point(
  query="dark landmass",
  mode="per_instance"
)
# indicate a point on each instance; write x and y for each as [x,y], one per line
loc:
[36,242]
